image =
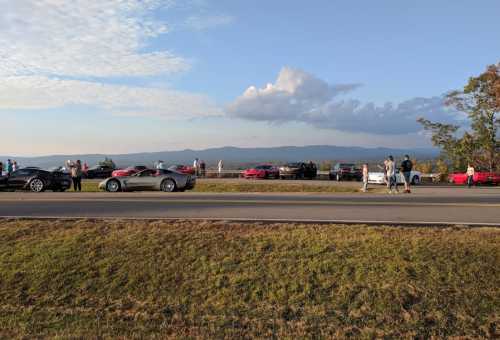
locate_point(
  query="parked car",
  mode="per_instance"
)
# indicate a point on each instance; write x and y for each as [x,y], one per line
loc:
[345,171]
[128,171]
[150,180]
[185,169]
[263,171]
[298,170]
[480,178]
[379,177]
[99,171]
[36,180]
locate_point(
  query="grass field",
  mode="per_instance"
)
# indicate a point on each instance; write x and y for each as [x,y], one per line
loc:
[198,279]
[223,186]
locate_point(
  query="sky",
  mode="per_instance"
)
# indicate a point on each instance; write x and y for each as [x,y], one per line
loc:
[122,76]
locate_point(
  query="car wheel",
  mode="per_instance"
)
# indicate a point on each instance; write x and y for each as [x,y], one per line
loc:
[168,185]
[415,180]
[113,186]
[37,185]
[282,177]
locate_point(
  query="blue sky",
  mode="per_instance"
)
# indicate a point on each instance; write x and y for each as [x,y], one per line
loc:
[109,76]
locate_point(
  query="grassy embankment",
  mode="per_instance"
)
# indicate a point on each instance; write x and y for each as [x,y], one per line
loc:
[186,279]
[257,186]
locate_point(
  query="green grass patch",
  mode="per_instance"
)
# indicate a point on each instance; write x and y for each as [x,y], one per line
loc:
[198,279]
[262,186]
[254,186]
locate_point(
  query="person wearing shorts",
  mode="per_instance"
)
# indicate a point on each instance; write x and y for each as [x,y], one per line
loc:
[406,168]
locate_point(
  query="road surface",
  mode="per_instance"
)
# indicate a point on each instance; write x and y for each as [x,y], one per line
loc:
[426,205]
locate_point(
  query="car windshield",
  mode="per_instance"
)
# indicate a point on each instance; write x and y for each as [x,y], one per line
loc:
[263,167]
[293,165]
[57,169]
[146,173]
[346,165]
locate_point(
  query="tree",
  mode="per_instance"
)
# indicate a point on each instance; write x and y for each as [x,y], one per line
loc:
[480,99]
[425,167]
[108,162]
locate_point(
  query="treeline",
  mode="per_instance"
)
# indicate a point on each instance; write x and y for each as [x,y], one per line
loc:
[479,145]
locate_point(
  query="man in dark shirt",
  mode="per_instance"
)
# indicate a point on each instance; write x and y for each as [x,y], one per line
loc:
[406,167]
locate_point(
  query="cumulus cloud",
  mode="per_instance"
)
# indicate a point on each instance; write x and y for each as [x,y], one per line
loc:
[301,97]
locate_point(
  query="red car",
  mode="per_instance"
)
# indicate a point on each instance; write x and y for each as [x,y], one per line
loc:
[128,171]
[480,177]
[262,172]
[184,169]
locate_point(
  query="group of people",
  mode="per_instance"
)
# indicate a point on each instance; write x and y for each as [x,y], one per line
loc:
[200,167]
[9,167]
[390,174]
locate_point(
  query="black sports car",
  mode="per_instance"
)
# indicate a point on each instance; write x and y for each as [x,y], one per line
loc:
[36,180]
[298,170]
[99,171]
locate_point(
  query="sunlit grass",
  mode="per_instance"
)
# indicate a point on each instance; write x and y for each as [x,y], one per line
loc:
[199,279]
[255,186]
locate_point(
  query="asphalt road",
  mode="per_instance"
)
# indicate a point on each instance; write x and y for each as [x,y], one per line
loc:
[425,205]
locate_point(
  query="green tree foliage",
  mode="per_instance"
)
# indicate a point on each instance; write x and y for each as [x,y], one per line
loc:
[107,162]
[423,167]
[480,99]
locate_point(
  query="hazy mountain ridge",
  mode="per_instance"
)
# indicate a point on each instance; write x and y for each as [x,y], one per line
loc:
[235,155]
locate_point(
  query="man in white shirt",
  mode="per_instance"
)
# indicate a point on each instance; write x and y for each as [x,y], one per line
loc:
[220,167]
[196,166]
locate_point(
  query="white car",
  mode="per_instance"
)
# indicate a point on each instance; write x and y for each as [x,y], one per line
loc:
[378,177]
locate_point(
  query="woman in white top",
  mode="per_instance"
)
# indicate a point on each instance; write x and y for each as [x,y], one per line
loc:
[390,168]
[470,175]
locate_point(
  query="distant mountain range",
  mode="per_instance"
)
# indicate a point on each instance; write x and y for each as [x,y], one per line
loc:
[234,156]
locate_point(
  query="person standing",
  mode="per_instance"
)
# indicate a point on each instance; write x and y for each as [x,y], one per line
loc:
[15,167]
[9,168]
[470,175]
[196,166]
[76,175]
[160,165]
[203,168]
[365,178]
[392,185]
[85,168]
[406,168]
[220,168]
[1,169]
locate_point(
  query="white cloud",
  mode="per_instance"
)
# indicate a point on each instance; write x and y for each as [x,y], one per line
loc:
[301,97]
[204,22]
[38,92]
[80,38]
[61,52]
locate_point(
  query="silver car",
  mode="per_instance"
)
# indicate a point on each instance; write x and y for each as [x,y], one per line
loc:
[149,179]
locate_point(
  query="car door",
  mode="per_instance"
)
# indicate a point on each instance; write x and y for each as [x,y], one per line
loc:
[141,181]
[18,179]
[3,181]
